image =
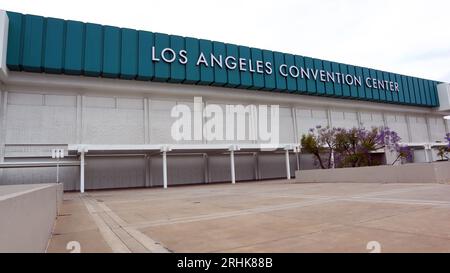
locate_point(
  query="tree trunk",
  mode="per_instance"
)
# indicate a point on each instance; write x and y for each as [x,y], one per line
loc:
[320,160]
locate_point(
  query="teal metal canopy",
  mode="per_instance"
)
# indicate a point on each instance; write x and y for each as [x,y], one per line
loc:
[50,45]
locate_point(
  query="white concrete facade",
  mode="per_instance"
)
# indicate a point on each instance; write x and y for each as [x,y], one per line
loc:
[39,112]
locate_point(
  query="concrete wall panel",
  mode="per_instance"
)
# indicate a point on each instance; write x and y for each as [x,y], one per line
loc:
[308,118]
[35,118]
[28,214]
[113,121]
[419,131]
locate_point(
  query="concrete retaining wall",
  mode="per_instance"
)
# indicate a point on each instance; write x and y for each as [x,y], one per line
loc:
[436,172]
[27,214]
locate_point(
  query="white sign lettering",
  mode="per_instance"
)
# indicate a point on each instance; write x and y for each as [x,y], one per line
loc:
[169,55]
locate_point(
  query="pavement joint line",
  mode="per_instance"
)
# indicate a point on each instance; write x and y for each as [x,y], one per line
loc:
[402,201]
[405,232]
[113,241]
[115,228]
[164,198]
[213,216]
[390,216]
[126,238]
[337,226]
[109,223]
[393,191]
[138,236]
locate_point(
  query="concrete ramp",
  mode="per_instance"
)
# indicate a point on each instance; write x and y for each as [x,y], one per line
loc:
[27,214]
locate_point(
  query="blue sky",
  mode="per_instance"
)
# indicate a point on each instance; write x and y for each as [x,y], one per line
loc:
[407,37]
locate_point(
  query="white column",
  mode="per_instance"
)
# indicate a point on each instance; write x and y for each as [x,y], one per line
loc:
[57,170]
[233,175]
[332,159]
[297,156]
[288,165]
[165,169]
[205,168]
[426,148]
[82,172]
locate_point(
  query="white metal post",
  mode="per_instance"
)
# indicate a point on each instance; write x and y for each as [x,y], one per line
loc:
[233,175]
[57,170]
[297,157]
[427,155]
[82,172]
[57,153]
[288,165]
[165,169]
[332,158]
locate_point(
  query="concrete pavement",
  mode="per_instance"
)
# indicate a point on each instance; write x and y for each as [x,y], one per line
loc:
[273,216]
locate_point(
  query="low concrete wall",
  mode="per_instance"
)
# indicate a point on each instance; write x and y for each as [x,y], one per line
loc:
[27,214]
[436,172]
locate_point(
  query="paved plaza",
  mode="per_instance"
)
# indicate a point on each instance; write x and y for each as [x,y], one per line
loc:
[272,216]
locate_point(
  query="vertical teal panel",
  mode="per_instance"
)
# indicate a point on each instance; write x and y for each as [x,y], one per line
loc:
[192,70]
[111,52]
[380,89]
[162,69]
[375,91]
[310,83]
[345,86]
[427,93]
[280,80]
[329,87]
[269,78]
[337,82]
[434,91]
[429,89]
[412,93]
[74,51]
[54,45]
[146,67]
[423,99]
[386,78]
[15,42]
[413,86]
[206,71]
[246,75]
[405,88]
[301,82]
[234,78]
[361,88]
[423,86]
[93,54]
[366,79]
[129,54]
[353,87]
[220,73]
[32,43]
[177,69]
[419,97]
[258,75]
[320,84]
[395,94]
[401,91]
[291,82]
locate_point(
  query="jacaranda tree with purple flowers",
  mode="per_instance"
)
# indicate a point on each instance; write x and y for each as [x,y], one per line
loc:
[351,147]
[443,151]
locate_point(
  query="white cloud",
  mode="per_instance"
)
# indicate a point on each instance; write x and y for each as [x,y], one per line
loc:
[391,35]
